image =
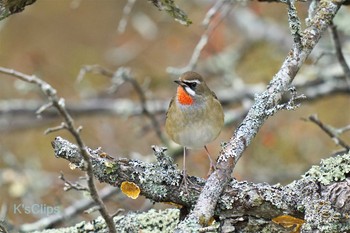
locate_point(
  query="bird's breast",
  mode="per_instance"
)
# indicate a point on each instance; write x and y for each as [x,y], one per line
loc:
[197,125]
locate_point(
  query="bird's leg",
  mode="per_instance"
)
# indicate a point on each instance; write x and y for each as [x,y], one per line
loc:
[184,174]
[185,181]
[212,163]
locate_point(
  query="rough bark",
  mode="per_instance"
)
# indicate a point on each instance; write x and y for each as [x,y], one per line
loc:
[321,197]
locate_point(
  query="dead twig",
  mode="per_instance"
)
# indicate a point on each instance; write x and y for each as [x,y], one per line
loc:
[68,185]
[69,212]
[126,12]
[210,26]
[59,104]
[124,75]
[339,53]
[329,131]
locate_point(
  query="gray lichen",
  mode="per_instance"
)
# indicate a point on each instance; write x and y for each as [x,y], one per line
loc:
[320,197]
[147,222]
[322,211]
[330,170]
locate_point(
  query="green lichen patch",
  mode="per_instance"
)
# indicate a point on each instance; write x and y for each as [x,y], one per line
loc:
[155,221]
[330,170]
[151,221]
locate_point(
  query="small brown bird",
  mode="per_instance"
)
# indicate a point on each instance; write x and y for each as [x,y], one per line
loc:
[195,116]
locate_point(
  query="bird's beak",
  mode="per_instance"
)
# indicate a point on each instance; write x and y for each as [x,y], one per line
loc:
[180,83]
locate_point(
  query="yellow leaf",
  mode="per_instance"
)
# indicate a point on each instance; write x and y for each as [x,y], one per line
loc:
[130,189]
[288,221]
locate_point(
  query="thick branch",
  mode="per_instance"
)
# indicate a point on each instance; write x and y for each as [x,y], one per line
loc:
[260,111]
[323,188]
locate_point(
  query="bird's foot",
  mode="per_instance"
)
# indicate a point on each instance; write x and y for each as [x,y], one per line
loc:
[212,168]
[186,182]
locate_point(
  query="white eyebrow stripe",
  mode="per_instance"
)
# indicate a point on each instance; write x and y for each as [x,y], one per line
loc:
[192,81]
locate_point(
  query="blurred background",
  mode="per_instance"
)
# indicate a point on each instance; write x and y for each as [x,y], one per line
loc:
[247,45]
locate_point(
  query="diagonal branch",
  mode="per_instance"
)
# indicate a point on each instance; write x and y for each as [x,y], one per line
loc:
[210,26]
[329,131]
[339,53]
[232,150]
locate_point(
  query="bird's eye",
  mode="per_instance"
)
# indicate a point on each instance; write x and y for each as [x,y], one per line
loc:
[192,85]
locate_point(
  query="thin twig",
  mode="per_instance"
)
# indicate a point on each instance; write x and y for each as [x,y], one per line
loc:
[59,104]
[329,131]
[343,129]
[119,211]
[291,104]
[56,128]
[124,75]
[69,185]
[126,12]
[203,41]
[3,228]
[69,212]
[3,213]
[339,53]
[43,108]
[212,12]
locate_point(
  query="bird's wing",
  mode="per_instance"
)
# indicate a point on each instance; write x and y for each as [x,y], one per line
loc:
[171,102]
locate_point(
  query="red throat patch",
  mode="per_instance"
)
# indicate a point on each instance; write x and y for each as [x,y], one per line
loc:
[183,97]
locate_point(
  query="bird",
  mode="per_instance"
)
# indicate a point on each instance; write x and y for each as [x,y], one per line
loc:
[195,116]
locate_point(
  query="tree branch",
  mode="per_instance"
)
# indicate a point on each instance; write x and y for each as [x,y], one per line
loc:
[21,111]
[59,104]
[233,150]
[330,131]
[323,188]
[124,74]
[67,213]
[339,53]
[209,28]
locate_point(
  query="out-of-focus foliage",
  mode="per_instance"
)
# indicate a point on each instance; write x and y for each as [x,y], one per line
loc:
[8,7]
[172,9]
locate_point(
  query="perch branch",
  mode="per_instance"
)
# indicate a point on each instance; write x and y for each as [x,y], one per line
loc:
[323,189]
